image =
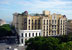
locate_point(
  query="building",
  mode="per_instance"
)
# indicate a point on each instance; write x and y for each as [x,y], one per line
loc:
[46,12]
[2,22]
[27,34]
[69,27]
[50,24]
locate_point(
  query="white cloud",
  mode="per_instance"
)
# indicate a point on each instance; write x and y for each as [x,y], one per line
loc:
[43,4]
[57,6]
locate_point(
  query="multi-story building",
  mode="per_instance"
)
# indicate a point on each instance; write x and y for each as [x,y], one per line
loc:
[51,25]
[69,27]
[29,26]
[2,22]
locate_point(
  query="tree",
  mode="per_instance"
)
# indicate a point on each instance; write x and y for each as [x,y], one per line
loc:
[49,43]
[5,30]
[41,43]
[66,46]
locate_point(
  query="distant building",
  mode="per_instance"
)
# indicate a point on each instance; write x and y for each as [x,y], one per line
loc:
[2,22]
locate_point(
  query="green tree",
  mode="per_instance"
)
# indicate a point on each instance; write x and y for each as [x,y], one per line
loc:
[6,30]
[41,43]
[66,46]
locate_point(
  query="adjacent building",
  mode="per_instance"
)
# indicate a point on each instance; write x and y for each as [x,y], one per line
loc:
[2,22]
[69,27]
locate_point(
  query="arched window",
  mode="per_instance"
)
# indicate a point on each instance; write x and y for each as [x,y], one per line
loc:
[39,34]
[32,21]
[25,34]
[35,21]
[44,22]
[33,34]
[36,34]
[29,34]
[21,40]
[29,27]
[29,21]
[47,22]
[22,35]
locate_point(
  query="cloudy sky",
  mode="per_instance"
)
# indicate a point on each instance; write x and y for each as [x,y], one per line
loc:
[8,7]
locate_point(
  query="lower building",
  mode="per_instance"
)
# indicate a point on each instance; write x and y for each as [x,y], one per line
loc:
[26,34]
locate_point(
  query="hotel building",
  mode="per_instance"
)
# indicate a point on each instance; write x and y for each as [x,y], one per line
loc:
[49,24]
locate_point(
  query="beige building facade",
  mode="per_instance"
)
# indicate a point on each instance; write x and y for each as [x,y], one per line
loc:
[50,24]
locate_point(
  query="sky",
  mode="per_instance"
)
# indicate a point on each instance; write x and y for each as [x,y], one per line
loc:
[8,7]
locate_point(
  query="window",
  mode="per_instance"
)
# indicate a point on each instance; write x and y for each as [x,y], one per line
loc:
[55,32]
[44,22]
[52,26]
[47,22]
[49,33]
[39,34]
[39,22]
[32,21]
[22,40]
[61,21]
[29,27]
[29,21]
[25,34]
[61,31]
[43,33]
[29,34]
[52,32]
[39,27]
[32,27]
[35,21]
[33,34]
[55,26]
[63,28]
[22,34]
[47,27]
[55,21]
[36,34]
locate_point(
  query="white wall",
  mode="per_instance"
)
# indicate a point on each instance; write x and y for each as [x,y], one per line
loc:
[31,32]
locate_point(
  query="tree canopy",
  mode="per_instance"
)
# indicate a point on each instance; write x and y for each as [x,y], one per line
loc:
[6,30]
[50,43]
